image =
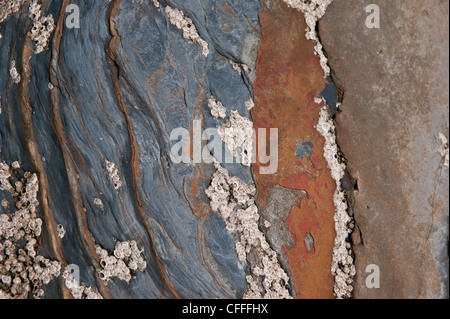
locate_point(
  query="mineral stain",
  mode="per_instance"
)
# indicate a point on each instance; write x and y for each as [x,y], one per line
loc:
[304,149]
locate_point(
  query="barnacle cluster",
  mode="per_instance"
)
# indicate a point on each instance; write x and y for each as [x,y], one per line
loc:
[8,7]
[342,264]
[15,76]
[313,10]
[443,151]
[185,24]
[79,291]
[249,104]
[126,257]
[114,175]
[234,200]
[156,3]
[235,66]
[238,67]
[217,109]
[5,174]
[98,202]
[42,27]
[237,134]
[22,270]
[60,231]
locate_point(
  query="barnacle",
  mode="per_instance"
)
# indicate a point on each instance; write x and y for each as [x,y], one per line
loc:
[217,109]
[8,7]
[126,257]
[42,27]
[113,174]
[79,291]
[249,104]
[313,10]
[156,3]
[61,231]
[237,133]
[185,24]
[443,151]
[98,202]
[342,259]
[22,270]
[234,200]
[15,76]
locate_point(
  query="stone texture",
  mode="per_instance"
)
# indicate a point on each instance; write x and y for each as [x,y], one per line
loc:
[286,83]
[395,104]
[92,117]
[119,85]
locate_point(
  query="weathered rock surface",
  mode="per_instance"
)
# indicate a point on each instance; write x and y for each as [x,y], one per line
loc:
[287,80]
[119,85]
[92,116]
[395,105]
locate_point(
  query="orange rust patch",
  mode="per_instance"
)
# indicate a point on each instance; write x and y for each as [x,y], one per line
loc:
[288,77]
[199,208]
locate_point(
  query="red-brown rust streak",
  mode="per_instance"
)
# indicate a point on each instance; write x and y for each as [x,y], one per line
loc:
[286,82]
[134,146]
[86,237]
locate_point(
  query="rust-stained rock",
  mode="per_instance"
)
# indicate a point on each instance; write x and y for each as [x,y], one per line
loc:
[395,105]
[288,77]
[89,128]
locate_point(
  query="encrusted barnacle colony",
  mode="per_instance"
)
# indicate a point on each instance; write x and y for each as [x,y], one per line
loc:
[22,270]
[42,27]
[217,109]
[127,257]
[238,67]
[234,201]
[79,291]
[114,175]
[342,265]
[185,24]
[8,7]
[237,134]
